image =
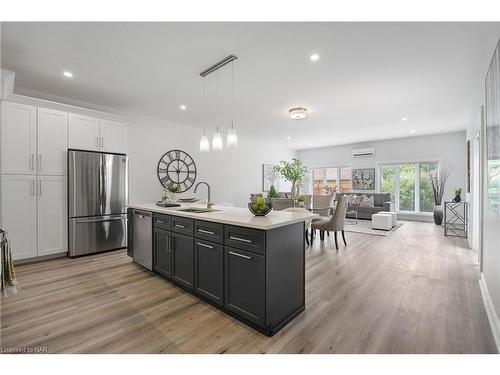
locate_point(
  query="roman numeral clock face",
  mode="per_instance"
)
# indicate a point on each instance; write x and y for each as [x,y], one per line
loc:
[176,169]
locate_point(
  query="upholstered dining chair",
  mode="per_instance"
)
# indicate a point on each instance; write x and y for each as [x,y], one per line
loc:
[307,221]
[335,223]
[322,205]
[281,203]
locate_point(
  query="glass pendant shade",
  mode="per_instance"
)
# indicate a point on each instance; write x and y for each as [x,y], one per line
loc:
[204,144]
[232,138]
[217,141]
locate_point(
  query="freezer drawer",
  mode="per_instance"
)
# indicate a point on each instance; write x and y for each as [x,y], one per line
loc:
[94,234]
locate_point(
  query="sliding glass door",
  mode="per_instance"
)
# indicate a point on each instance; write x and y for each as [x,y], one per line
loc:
[409,185]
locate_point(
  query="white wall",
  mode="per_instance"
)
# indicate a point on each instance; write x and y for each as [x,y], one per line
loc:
[448,148]
[232,173]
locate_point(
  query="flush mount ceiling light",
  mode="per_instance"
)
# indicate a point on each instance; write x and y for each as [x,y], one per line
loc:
[298,113]
[413,131]
[404,119]
[68,74]
[182,107]
[314,57]
[288,138]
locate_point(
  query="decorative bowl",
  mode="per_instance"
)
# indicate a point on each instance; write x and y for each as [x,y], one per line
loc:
[259,213]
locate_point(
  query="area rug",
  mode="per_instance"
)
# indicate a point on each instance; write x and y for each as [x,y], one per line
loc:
[365,227]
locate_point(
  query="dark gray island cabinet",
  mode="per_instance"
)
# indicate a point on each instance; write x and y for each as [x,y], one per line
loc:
[254,275]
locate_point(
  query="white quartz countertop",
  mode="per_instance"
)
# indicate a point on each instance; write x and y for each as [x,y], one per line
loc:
[230,215]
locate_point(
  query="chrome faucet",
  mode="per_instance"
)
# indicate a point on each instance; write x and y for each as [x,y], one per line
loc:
[209,204]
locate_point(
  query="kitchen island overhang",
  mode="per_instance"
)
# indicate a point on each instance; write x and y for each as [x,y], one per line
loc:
[252,268]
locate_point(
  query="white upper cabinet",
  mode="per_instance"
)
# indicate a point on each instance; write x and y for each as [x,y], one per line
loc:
[19,214]
[113,136]
[83,132]
[52,142]
[92,134]
[18,136]
[51,218]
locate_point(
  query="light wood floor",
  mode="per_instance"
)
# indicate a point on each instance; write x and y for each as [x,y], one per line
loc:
[412,292]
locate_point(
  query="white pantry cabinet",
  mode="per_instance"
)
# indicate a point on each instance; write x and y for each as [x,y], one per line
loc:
[93,134]
[18,136]
[19,214]
[52,142]
[51,215]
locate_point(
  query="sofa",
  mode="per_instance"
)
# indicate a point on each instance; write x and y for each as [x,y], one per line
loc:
[381,202]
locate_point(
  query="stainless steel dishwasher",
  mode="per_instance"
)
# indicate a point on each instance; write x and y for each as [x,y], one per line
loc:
[143,239]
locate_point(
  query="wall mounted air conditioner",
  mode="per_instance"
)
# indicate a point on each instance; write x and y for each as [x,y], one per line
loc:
[363,152]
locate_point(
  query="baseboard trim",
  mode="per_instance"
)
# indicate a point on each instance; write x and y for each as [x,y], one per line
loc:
[490,311]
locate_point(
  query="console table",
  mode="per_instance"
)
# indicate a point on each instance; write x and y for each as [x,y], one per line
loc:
[455,219]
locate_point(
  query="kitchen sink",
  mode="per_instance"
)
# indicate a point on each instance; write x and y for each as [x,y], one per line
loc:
[197,210]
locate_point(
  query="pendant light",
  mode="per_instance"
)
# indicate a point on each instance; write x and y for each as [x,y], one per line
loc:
[232,138]
[204,143]
[217,140]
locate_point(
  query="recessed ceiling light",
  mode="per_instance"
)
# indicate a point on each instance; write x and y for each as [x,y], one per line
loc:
[404,119]
[68,74]
[297,113]
[412,130]
[288,137]
[183,107]
[310,144]
[314,57]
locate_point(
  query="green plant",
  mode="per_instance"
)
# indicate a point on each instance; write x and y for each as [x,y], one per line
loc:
[272,192]
[173,189]
[301,198]
[293,171]
[458,192]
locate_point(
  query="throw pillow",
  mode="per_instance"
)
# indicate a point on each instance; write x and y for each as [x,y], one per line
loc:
[357,200]
[368,202]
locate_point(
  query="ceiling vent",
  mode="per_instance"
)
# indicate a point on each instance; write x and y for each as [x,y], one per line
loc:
[363,152]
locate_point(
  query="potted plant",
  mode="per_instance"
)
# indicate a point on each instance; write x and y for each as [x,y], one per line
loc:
[438,182]
[272,193]
[293,171]
[300,200]
[458,195]
[172,190]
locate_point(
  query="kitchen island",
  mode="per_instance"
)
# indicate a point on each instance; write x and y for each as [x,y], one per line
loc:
[250,267]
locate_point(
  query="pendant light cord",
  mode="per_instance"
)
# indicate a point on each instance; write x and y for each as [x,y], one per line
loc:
[232,94]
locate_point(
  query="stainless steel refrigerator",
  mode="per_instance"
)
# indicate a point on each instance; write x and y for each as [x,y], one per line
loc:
[97,202]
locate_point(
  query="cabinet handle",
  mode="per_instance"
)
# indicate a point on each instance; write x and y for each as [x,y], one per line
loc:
[39,187]
[39,162]
[240,255]
[160,221]
[32,187]
[180,226]
[204,245]
[97,142]
[32,162]
[205,231]
[102,142]
[239,239]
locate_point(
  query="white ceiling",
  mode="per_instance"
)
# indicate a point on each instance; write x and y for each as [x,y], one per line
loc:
[368,77]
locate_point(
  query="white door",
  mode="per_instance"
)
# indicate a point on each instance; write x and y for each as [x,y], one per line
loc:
[51,207]
[52,142]
[18,136]
[113,136]
[83,132]
[19,214]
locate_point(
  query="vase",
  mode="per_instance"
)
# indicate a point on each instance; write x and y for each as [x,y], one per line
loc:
[438,214]
[457,198]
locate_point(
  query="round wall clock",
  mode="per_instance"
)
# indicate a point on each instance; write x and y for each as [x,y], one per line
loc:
[176,169]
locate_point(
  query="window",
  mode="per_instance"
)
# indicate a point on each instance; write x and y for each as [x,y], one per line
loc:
[338,179]
[409,186]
